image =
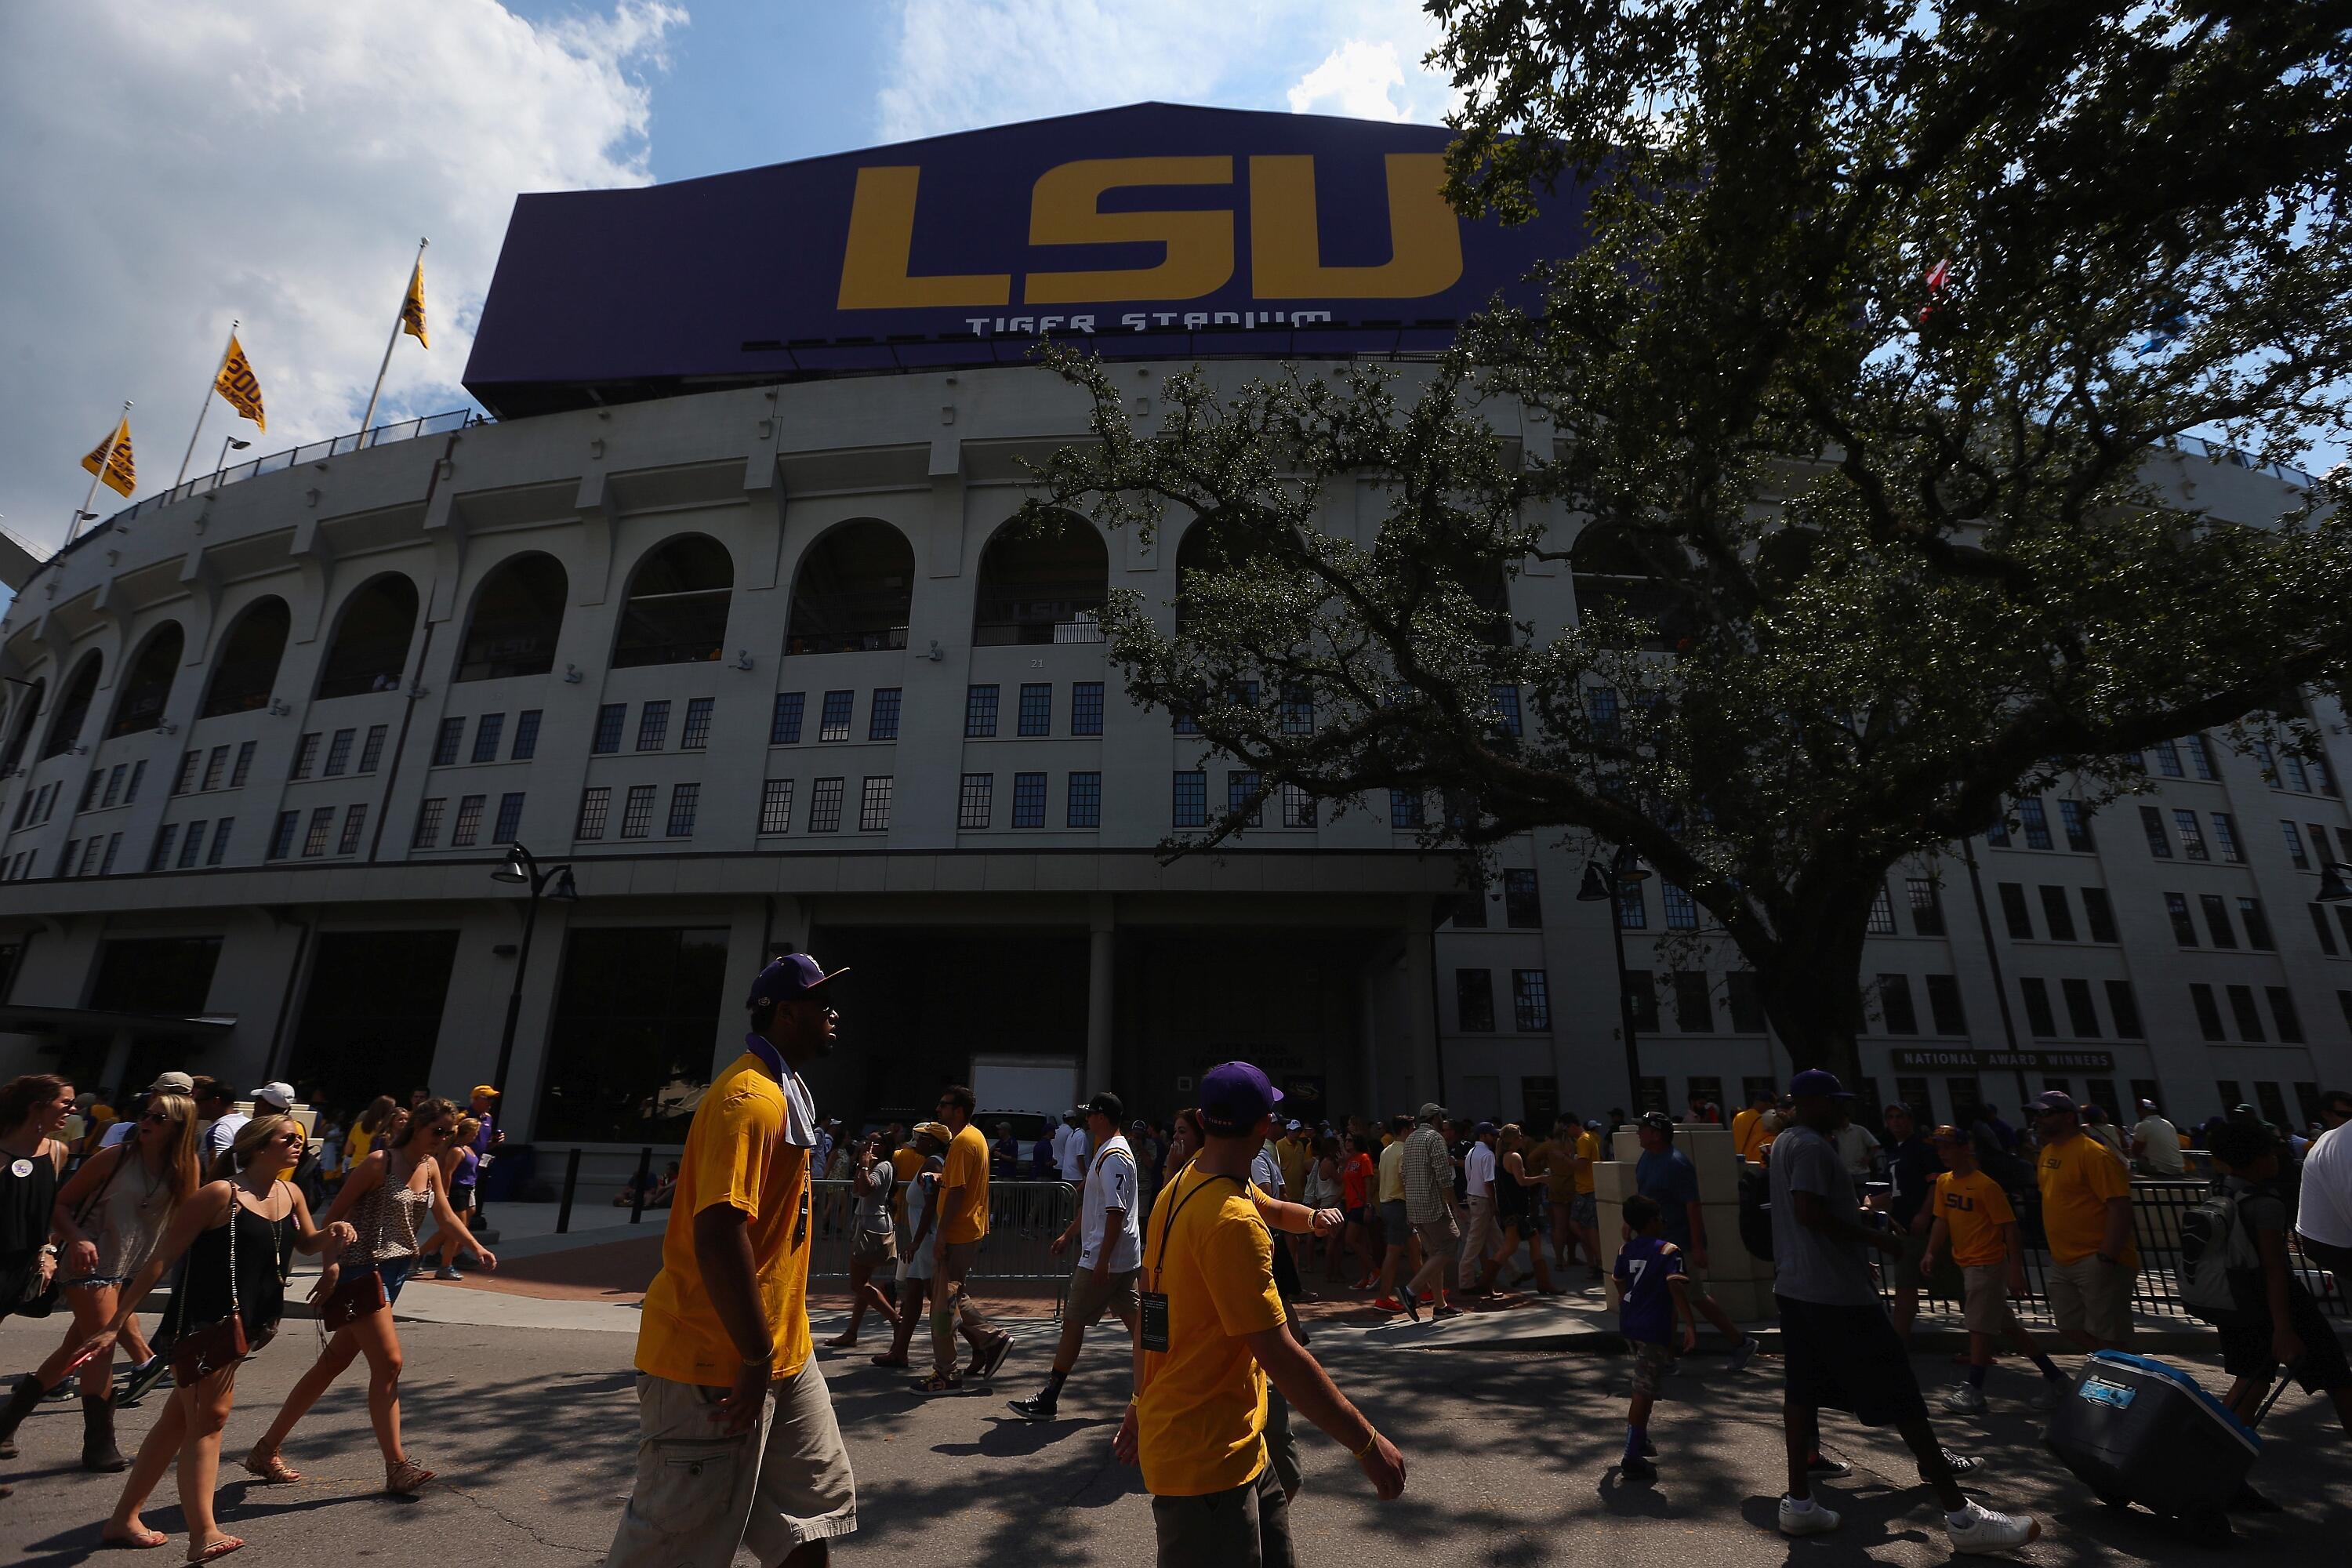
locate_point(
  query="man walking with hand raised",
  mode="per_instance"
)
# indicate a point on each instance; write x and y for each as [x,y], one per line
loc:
[725,1379]
[1213,1335]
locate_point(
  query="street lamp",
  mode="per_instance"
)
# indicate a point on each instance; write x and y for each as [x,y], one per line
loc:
[1607,881]
[522,869]
[2331,887]
[228,443]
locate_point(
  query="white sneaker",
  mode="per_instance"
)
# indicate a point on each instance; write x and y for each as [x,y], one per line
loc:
[1990,1532]
[1965,1399]
[1815,1521]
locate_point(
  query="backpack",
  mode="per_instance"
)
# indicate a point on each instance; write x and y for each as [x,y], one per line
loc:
[2220,1270]
[1755,1214]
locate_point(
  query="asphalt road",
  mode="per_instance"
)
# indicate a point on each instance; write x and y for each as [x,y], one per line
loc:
[1509,1458]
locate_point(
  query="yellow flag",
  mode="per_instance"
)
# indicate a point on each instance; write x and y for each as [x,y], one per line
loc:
[412,310]
[119,473]
[237,383]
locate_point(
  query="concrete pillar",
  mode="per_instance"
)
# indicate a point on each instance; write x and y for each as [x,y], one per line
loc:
[1368,1048]
[109,1084]
[1419,968]
[1101,952]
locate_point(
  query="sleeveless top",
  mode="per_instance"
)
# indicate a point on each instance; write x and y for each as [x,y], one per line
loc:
[1510,1198]
[386,1220]
[26,1201]
[127,1220]
[263,1250]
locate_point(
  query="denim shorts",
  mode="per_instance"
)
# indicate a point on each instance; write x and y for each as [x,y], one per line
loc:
[393,1272]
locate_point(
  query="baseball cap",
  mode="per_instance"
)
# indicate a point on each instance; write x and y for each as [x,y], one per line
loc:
[486,1091]
[1431,1112]
[1948,1134]
[2050,1100]
[277,1093]
[1106,1105]
[795,974]
[1660,1120]
[2147,1105]
[1483,1129]
[938,1130]
[1233,1095]
[1817,1083]
[172,1083]
[1292,1125]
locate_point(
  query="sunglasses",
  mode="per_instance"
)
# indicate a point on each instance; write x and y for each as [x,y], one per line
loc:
[158,1118]
[444,1130]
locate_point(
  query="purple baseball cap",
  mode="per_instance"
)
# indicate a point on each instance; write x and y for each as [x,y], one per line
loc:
[795,974]
[1234,1095]
[1818,1082]
[2051,1100]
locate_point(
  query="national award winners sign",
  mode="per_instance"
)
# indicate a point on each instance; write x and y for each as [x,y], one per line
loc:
[1149,231]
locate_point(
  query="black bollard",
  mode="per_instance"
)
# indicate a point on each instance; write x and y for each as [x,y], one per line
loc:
[571,1184]
[645,1180]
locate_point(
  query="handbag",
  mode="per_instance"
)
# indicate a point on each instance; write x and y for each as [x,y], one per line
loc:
[199,1351]
[355,1295]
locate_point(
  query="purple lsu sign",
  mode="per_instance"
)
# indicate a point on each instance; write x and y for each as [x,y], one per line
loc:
[1145,232]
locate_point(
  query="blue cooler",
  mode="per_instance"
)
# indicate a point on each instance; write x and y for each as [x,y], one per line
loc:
[2137,1430]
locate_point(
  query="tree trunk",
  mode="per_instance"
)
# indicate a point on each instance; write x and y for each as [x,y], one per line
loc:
[1811,992]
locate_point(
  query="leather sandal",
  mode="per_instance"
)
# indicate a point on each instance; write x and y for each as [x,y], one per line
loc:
[270,1466]
[221,1548]
[406,1479]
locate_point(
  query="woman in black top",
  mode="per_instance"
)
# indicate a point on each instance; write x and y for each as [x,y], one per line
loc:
[32,1108]
[251,1212]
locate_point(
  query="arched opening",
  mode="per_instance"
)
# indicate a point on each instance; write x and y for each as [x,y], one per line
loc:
[244,671]
[149,685]
[1611,576]
[370,650]
[677,608]
[29,709]
[1213,544]
[1042,583]
[64,728]
[517,616]
[855,591]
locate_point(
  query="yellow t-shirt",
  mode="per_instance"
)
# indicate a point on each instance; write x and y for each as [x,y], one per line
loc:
[1393,1172]
[355,1147]
[1201,1422]
[2078,1176]
[1974,1208]
[1587,1147]
[736,1155]
[967,1169]
[1560,1176]
[1744,1133]
[1293,1157]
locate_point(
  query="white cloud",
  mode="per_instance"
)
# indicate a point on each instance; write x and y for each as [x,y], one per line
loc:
[954,64]
[172,165]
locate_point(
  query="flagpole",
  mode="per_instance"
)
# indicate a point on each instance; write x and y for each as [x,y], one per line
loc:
[104,457]
[367,420]
[205,405]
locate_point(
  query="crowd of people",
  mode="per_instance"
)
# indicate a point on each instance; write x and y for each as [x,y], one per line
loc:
[1421,1214]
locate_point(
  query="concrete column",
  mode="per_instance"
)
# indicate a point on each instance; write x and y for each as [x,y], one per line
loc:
[1368,1048]
[1419,969]
[1101,950]
[109,1084]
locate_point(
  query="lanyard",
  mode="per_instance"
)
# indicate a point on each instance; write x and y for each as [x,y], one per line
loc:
[1177,1208]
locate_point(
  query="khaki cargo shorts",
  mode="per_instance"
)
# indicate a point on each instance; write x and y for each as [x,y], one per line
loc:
[1091,1297]
[2091,1296]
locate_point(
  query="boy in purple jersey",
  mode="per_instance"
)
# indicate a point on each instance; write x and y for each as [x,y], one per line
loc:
[1652,1289]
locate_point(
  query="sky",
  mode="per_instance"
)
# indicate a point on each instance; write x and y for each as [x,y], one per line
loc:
[174,165]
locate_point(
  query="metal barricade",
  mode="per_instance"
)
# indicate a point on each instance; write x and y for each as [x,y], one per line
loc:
[1024,1218]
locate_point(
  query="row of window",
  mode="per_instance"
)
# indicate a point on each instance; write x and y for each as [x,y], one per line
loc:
[2033,821]
[339,753]
[109,787]
[2057,913]
[1522,905]
[1244,798]
[34,809]
[319,834]
[466,827]
[1474,999]
[2279,771]
[2082,1011]
[2249,1017]
[976,801]
[612,724]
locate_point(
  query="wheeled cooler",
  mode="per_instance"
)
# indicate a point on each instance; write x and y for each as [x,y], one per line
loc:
[2137,1430]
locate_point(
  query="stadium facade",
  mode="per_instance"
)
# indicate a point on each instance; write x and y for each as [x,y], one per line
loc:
[719,612]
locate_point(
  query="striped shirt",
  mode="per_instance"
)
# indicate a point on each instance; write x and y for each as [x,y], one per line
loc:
[1428,1176]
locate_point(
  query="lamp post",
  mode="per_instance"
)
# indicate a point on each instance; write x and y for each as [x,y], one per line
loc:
[228,443]
[1606,881]
[2332,889]
[522,869]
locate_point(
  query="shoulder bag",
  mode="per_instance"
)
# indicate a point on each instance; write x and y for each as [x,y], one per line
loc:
[206,1349]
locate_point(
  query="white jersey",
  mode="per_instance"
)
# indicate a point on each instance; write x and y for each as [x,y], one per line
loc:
[1112,1184]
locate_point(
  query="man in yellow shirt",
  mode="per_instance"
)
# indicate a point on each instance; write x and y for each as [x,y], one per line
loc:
[1396,1230]
[1747,1128]
[1583,1209]
[724,1378]
[963,1222]
[1213,1334]
[1972,1218]
[2086,1214]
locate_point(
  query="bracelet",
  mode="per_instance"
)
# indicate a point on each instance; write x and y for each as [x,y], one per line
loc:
[1370,1442]
[767,1360]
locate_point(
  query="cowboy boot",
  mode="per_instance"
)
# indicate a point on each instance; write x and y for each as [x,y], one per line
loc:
[98,1450]
[20,1405]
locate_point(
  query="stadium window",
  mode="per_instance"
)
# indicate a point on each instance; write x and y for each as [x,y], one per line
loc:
[488,731]
[1084,800]
[874,805]
[281,837]
[776,806]
[595,805]
[306,755]
[509,823]
[314,839]
[2123,1008]
[1242,797]
[2081,1015]
[979,712]
[1298,709]
[339,750]
[2160,843]
[1474,1000]
[2184,930]
[2283,1013]
[1694,1004]
[2039,1018]
[1505,700]
[2168,760]
[1036,713]
[1632,909]
[1927,906]
[1997,833]
[1944,1007]
[684,801]
[2257,924]
[882,713]
[217,768]
[825,805]
[833,721]
[1405,808]
[976,801]
[2294,850]
[653,726]
[2036,822]
[1297,808]
[1531,1001]
[1894,1008]
[2225,837]
[1641,993]
[637,811]
[611,718]
[1087,708]
[348,843]
[2249,1021]
[526,737]
[1681,911]
[426,837]
[1522,905]
[675,610]
[2100,914]
[517,617]
[2217,920]
[370,646]
[784,723]
[2057,915]
[1746,1003]
[1028,800]
[1042,583]
[2013,912]
[191,844]
[139,772]
[2200,758]
[696,736]
[465,831]
[1882,913]
[2074,817]
[1191,798]
[445,747]
[114,782]
[2192,837]
[853,592]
